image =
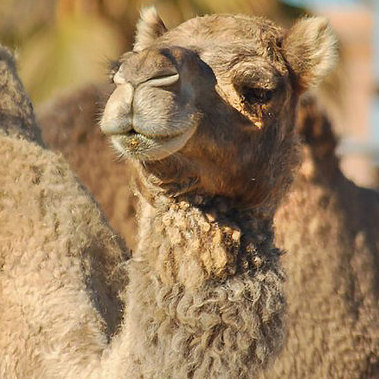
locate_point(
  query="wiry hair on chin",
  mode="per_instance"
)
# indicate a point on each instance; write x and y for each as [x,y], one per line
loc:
[149,27]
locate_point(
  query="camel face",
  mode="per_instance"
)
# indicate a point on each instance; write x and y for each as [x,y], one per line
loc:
[210,104]
[167,90]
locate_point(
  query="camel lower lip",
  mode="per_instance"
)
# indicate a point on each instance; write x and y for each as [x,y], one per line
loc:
[135,140]
[140,146]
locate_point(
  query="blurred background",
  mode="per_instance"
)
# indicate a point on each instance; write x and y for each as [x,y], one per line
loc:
[67,43]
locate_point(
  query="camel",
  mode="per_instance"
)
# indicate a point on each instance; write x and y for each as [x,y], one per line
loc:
[205,292]
[206,182]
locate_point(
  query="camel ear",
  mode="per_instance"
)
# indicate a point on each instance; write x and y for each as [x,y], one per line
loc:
[149,27]
[310,47]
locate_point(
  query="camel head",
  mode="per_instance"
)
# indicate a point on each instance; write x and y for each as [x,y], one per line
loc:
[209,106]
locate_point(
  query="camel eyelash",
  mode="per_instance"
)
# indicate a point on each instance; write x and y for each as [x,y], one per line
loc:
[113,67]
[253,95]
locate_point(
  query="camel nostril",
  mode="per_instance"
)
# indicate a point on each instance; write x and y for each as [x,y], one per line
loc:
[163,80]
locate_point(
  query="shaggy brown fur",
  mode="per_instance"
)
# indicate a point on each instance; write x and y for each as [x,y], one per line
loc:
[56,251]
[329,227]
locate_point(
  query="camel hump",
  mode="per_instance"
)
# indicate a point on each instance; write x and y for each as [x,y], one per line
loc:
[315,127]
[16,110]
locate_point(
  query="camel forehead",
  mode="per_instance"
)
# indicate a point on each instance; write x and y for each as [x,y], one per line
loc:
[224,32]
[225,40]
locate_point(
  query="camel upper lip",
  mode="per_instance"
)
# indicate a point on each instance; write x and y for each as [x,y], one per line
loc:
[127,128]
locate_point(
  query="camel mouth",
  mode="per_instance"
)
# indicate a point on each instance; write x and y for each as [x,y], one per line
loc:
[135,134]
[140,146]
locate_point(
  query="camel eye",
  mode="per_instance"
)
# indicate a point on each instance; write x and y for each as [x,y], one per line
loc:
[256,95]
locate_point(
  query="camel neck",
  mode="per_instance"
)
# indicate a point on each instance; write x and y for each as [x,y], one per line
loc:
[202,274]
[194,239]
